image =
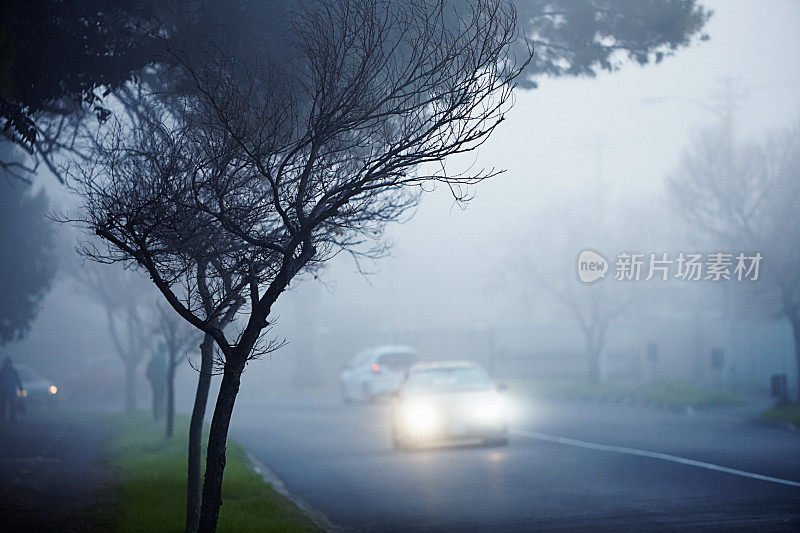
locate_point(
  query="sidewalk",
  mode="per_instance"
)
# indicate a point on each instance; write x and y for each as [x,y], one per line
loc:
[749,410]
[52,475]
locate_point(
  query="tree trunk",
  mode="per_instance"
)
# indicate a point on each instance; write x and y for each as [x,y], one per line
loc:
[595,344]
[593,349]
[130,387]
[215,456]
[193,491]
[594,365]
[795,320]
[170,398]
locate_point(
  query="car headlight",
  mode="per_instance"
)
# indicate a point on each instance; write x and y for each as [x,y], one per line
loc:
[22,393]
[52,390]
[419,417]
[492,411]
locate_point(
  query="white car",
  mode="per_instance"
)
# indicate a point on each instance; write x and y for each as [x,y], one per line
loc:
[376,372]
[449,401]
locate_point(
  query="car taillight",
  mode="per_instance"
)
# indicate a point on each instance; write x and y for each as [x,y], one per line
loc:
[376,368]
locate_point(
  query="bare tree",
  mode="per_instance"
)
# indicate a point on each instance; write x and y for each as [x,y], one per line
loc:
[119,293]
[593,308]
[196,241]
[178,337]
[547,268]
[745,195]
[288,167]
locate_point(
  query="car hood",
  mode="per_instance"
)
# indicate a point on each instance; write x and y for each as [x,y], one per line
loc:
[458,399]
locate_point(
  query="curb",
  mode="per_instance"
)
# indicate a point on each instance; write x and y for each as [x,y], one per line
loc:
[776,424]
[319,518]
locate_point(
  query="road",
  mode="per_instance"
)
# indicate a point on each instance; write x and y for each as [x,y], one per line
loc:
[53,475]
[570,466]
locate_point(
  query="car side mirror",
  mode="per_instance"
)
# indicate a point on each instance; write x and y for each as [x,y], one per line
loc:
[502,386]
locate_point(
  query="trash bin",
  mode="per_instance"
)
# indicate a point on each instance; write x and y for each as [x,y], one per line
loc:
[779,387]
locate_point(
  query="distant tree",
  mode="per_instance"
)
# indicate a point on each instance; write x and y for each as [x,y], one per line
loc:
[27,260]
[294,166]
[744,197]
[128,306]
[546,272]
[179,337]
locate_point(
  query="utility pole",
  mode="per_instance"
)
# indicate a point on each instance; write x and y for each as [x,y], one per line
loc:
[731,93]
[725,102]
[599,146]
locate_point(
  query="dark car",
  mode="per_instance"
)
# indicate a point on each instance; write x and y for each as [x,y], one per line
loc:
[35,387]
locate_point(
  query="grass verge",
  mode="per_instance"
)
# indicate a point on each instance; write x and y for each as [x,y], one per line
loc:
[787,413]
[152,495]
[673,393]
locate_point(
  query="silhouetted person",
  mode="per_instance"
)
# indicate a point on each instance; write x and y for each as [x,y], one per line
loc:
[9,385]
[157,375]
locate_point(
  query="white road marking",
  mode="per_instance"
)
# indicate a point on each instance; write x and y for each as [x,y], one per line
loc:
[652,455]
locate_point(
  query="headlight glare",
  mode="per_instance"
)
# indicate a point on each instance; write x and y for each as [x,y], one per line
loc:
[492,411]
[419,417]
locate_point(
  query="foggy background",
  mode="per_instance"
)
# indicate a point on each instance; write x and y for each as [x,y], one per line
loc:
[467,282]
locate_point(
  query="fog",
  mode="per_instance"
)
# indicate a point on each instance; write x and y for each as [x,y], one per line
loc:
[612,398]
[456,281]
[461,279]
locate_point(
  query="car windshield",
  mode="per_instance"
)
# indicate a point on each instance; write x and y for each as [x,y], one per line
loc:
[397,360]
[466,378]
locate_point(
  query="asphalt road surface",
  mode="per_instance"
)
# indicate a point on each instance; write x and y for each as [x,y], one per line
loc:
[53,476]
[570,466]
